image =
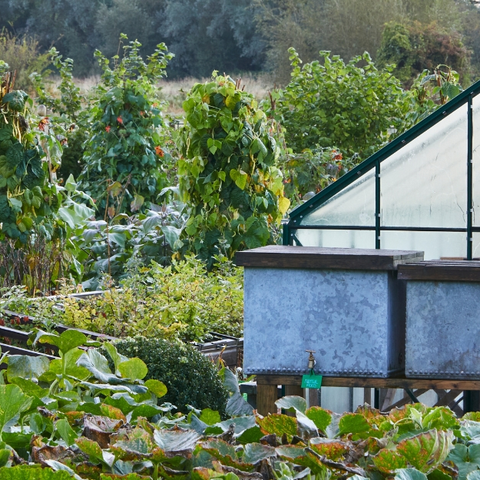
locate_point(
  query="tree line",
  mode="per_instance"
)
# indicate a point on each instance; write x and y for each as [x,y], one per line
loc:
[249,35]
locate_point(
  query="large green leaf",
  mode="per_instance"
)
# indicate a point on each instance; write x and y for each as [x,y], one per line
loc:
[133,369]
[388,461]
[330,448]
[466,458]
[354,423]
[97,364]
[278,424]
[12,402]
[66,432]
[209,416]
[292,402]
[65,341]
[15,100]
[114,355]
[68,365]
[157,387]
[306,428]
[426,451]
[26,366]
[470,429]
[441,418]
[409,474]
[176,440]
[256,452]
[320,417]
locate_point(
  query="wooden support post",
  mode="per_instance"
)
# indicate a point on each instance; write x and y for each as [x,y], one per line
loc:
[313,397]
[266,398]
[294,390]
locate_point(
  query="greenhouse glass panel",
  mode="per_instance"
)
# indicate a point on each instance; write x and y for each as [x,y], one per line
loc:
[354,205]
[476,246]
[419,192]
[435,244]
[476,161]
[424,183]
[336,238]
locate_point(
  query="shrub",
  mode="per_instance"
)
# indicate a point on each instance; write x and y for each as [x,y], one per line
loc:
[351,106]
[190,377]
[181,301]
[22,56]
[125,161]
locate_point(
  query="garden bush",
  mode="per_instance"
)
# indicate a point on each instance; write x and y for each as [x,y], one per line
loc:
[182,301]
[351,106]
[190,377]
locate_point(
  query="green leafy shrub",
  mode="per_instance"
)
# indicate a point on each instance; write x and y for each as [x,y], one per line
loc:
[181,301]
[416,47]
[352,106]
[228,171]
[190,377]
[310,171]
[111,248]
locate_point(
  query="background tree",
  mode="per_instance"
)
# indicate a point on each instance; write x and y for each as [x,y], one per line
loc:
[417,47]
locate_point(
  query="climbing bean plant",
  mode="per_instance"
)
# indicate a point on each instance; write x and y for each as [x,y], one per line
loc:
[228,172]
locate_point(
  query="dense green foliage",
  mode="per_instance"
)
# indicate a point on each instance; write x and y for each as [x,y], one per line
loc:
[181,301]
[190,377]
[77,415]
[228,173]
[178,301]
[417,47]
[230,35]
[333,104]
[124,154]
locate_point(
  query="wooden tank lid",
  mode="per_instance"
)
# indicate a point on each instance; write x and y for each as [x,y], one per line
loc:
[441,271]
[316,258]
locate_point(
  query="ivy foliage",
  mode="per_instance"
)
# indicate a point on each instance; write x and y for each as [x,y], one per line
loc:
[228,172]
[124,157]
[330,103]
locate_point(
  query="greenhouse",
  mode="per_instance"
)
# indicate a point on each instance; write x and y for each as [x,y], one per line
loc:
[420,192]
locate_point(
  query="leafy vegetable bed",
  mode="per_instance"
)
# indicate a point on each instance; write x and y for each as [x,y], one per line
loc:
[77,418]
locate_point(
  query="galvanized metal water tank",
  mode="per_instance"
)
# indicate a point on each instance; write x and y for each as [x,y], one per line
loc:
[443,319]
[345,304]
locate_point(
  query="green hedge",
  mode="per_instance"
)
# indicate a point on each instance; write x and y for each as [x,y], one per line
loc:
[190,377]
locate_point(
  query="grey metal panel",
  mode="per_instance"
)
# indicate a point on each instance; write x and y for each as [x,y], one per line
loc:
[443,330]
[345,316]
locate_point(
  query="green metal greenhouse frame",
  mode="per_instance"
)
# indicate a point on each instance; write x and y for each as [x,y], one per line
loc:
[296,221]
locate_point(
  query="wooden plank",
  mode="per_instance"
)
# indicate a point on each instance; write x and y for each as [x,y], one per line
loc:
[441,270]
[10,349]
[13,333]
[283,256]
[393,382]
[266,398]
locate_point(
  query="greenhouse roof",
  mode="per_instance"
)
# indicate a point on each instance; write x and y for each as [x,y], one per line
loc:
[419,192]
